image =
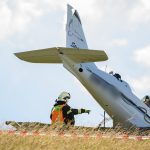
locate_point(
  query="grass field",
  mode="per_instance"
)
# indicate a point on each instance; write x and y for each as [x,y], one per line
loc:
[48,142]
[16,142]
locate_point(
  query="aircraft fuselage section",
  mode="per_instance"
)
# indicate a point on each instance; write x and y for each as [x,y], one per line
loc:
[109,97]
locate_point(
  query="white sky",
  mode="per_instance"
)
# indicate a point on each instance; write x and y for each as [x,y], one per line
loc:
[28,91]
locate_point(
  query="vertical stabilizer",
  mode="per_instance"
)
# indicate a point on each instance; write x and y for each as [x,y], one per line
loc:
[74,32]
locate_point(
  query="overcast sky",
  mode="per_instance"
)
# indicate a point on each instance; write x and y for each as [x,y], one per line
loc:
[28,91]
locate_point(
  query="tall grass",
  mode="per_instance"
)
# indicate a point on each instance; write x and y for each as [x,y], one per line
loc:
[48,142]
[14,142]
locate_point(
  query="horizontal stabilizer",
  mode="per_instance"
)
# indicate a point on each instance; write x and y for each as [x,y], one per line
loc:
[52,55]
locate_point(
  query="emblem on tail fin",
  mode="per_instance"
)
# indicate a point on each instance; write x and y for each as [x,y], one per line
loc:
[73,45]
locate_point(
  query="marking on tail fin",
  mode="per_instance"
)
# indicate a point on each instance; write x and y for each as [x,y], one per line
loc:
[74,32]
[73,45]
[77,16]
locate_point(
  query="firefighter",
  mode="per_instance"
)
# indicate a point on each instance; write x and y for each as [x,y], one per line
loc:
[62,113]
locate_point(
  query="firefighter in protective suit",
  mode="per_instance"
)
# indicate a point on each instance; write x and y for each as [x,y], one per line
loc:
[62,113]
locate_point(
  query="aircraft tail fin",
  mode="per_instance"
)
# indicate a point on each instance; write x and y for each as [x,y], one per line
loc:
[76,46]
[74,32]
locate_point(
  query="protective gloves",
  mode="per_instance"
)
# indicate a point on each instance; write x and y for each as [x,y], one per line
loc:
[87,111]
